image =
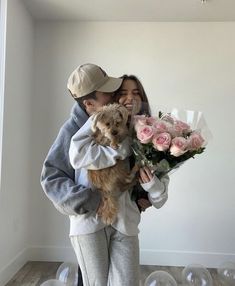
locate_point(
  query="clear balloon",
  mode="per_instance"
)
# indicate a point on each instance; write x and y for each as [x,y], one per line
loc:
[53,282]
[226,273]
[68,274]
[160,278]
[196,275]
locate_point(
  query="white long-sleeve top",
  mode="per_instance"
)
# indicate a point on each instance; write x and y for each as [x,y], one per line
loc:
[86,154]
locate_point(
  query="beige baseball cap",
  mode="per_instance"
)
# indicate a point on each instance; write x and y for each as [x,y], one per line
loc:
[88,78]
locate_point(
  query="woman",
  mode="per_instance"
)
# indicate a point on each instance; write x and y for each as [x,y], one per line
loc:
[132,95]
[111,252]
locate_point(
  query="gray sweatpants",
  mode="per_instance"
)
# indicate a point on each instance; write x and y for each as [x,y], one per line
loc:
[108,257]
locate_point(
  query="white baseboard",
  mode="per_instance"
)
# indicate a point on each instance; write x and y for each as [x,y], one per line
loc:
[183,258]
[147,257]
[7,272]
[52,253]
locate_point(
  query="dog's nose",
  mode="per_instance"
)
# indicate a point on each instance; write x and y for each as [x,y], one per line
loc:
[114,132]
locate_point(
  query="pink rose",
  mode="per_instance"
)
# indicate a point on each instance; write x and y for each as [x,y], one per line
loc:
[139,121]
[160,126]
[151,120]
[178,146]
[162,141]
[181,127]
[168,118]
[195,141]
[145,134]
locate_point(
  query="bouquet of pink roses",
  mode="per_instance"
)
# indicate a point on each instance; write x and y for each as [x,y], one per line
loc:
[165,142]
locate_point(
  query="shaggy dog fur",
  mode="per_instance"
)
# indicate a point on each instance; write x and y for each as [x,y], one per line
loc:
[110,129]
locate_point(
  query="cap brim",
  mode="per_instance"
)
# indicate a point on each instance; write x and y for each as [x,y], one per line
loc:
[111,84]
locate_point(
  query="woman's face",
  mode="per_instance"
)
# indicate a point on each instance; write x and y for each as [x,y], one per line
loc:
[129,96]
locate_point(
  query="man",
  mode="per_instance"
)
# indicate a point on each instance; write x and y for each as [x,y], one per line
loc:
[92,88]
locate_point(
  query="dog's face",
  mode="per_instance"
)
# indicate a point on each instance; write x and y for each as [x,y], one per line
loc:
[111,121]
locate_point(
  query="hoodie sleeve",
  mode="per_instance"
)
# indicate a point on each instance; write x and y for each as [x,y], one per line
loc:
[57,178]
[157,190]
[84,152]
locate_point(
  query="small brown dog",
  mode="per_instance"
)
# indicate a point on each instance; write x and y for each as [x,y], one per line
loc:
[110,129]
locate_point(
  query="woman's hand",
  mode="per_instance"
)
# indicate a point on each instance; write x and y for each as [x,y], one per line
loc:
[145,175]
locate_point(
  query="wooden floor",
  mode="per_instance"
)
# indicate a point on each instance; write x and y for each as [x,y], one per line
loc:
[35,273]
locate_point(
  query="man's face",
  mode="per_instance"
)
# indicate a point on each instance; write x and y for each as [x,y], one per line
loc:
[103,98]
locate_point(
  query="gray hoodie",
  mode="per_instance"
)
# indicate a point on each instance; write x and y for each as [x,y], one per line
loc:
[57,178]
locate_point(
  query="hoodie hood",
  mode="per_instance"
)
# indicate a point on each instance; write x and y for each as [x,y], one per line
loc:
[78,114]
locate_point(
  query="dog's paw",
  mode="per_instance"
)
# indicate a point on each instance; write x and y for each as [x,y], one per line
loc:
[114,146]
[108,220]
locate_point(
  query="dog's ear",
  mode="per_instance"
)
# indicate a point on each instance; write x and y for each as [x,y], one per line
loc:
[123,112]
[97,117]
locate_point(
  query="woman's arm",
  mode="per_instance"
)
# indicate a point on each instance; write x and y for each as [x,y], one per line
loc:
[157,189]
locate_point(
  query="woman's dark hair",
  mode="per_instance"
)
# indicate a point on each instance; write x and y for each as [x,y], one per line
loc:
[145,109]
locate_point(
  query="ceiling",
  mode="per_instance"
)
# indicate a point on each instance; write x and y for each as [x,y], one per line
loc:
[132,10]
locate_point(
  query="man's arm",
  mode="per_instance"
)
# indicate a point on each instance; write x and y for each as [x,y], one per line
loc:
[57,178]
[85,153]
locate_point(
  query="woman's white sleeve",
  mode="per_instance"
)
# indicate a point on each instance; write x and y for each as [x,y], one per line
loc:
[84,152]
[157,190]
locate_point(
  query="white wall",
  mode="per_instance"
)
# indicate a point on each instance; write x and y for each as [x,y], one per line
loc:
[184,65]
[3,20]
[15,192]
